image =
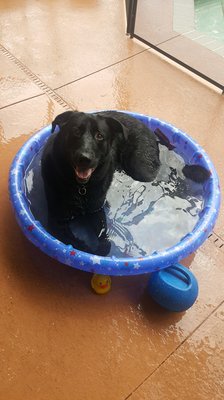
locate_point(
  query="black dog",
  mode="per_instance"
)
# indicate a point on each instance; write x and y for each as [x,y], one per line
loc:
[79,161]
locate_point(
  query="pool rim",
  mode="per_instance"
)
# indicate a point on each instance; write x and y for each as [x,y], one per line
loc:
[68,255]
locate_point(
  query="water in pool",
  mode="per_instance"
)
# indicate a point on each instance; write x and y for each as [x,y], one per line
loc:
[141,217]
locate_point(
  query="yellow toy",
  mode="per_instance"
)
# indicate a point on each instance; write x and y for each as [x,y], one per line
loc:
[101,284]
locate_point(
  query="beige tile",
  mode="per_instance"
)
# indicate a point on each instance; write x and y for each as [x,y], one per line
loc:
[194,371]
[146,83]
[66,40]
[25,118]
[197,56]
[14,83]
[220,312]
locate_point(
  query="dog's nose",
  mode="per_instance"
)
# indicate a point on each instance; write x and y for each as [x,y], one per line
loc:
[84,159]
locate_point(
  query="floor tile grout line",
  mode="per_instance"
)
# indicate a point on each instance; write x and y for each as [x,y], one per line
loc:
[174,351]
[168,40]
[45,88]
[216,240]
[220,237]
[102,69]
[21,101]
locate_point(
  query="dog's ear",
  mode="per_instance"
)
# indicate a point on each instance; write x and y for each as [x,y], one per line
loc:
[117,128]
[62,119]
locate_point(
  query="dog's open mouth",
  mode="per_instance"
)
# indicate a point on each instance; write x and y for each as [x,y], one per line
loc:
[83,175]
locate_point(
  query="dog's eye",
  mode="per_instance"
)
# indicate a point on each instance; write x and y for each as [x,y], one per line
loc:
[99,136]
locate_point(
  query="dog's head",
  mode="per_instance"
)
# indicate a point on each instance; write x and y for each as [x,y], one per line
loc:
[86,140]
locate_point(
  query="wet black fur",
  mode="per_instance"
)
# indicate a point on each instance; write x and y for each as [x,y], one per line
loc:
[127,145]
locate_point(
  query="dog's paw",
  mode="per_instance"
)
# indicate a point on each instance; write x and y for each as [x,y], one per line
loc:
[196,173]
[103,248]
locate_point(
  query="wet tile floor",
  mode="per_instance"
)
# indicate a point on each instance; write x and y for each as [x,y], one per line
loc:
[58,340]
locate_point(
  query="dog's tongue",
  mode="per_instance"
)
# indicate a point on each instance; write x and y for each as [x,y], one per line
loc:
[84,174]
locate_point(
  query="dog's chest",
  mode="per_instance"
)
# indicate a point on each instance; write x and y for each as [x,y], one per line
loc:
[81,199]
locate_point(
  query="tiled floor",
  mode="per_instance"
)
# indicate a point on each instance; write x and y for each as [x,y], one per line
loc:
[58,340]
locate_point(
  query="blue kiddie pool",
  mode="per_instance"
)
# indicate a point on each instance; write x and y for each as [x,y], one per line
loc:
[191,152]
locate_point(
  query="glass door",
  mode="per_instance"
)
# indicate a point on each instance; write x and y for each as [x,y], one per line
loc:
[190,32]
